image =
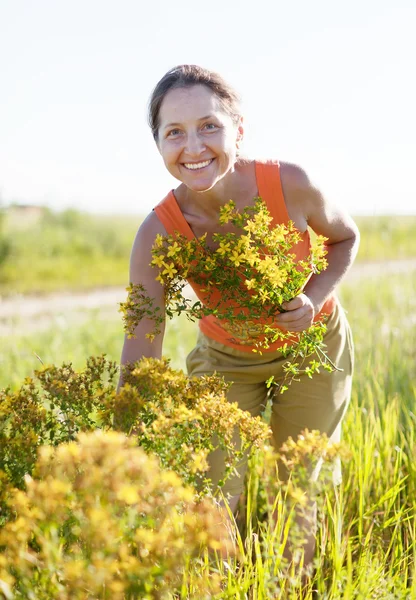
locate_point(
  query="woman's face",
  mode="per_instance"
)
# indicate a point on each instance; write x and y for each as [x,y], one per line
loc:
[196,138]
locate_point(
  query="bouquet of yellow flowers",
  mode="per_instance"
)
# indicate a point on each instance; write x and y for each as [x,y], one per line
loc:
[245,281]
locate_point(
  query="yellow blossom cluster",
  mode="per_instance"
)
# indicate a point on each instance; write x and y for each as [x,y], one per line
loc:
[98,510]
[100,519]
[175,417]
[245,275]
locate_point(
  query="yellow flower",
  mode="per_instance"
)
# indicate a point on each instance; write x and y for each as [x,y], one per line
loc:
[264,295]
[210,263]
[236,258]
[158,261]
[158,243]
[226,212]
[169,270]
[244,242]
[251,226]
[174,249]
[250,256]
[250,283]
[224,248]
[266,265]
[277,235]
[277,277]
[261,219]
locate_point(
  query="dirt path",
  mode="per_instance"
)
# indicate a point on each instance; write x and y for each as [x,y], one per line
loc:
[28,313]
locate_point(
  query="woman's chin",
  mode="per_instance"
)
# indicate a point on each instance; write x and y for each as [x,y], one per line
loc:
[199,186]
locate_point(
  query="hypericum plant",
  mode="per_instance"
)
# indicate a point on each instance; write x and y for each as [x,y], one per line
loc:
[178,418]
[246,280]
[182,419]
[100,519]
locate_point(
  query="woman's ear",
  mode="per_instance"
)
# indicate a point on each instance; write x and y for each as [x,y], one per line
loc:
[240,131]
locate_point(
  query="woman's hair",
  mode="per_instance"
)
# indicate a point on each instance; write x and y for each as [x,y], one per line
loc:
[184,76]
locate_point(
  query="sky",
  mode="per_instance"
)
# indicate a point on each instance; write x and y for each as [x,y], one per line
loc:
[328,85]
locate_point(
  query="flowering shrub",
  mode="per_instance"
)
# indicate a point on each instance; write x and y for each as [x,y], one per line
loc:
[169,414]
[175,417]
[50,408]
[100,519]
[246,279]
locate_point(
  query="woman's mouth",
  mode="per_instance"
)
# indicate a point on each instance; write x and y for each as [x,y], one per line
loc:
[198,166]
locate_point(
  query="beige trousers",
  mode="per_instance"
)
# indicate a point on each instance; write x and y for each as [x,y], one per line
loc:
[317,403]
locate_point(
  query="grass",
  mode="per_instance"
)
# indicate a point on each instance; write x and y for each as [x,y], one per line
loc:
[367,528]
[386,237]
[65,251]
[73,250]
[67,340]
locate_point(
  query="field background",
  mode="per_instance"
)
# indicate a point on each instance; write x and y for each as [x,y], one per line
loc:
[71,252]
[376,555]
[45,251]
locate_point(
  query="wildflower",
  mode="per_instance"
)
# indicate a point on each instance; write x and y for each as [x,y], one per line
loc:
[169,270]
[250,256]
[158,260]
[250,227]
[264,295]
[277,277]
[224,248]
[226,212]
[236,258]
[250,283]
[210,263]
[173,249]
[159,241]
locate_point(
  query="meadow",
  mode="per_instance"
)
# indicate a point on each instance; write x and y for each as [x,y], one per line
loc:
[73,250]
[367,528]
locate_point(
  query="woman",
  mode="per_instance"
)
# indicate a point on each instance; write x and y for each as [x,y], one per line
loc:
[198,129]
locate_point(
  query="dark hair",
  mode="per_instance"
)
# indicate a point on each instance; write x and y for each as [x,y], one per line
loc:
[184,76]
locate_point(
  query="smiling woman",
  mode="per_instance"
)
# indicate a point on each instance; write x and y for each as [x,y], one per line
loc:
[198,150]
[197,125]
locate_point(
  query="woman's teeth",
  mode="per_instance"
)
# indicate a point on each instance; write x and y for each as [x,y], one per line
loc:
[200,165]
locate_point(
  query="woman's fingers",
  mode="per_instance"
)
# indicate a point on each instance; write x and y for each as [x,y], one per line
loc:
[299,316]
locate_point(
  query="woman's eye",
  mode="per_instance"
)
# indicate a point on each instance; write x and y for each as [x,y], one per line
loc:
[173,132]
[210,126]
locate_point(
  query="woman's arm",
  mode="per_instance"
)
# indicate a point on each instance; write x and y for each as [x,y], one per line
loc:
[141,272]
[307,202]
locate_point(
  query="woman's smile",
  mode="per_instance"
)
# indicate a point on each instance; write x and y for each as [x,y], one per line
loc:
[198,166]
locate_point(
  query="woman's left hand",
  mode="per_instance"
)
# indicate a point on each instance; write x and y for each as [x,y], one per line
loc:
[300,315]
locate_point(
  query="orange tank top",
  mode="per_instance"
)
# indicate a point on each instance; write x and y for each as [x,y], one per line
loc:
[242,334]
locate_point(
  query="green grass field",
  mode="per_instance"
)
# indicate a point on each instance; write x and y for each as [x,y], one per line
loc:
[72,250]
[374,557]
[367,531]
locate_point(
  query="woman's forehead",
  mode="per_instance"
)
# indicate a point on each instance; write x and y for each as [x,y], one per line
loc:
[193,102]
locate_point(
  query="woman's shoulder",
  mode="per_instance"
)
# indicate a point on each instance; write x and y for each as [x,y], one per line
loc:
[150,227]
[141,253]
[293,175]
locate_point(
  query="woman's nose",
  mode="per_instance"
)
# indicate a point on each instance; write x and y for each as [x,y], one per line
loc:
[194,144]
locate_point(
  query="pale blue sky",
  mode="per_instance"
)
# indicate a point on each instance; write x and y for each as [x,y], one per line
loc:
[329,85]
